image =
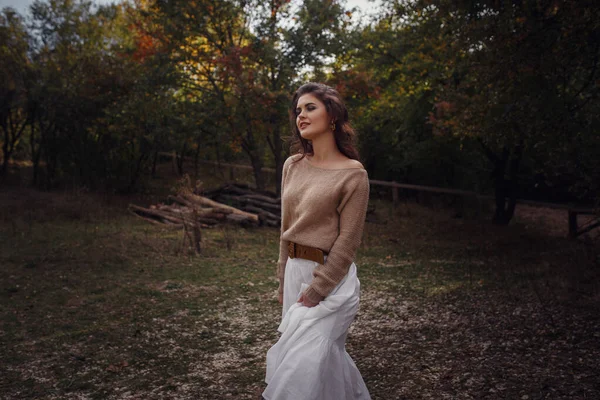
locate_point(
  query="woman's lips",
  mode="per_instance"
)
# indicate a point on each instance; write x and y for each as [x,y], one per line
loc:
[303,125]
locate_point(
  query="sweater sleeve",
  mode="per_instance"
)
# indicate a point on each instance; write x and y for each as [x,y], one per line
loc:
[283,244]
[352,219]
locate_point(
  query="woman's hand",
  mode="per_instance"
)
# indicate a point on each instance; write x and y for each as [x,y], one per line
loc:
[306,302]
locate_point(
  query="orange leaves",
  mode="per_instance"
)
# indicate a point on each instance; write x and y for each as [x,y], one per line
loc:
[146,46]
[236,144]
[246,51]
[353,83]
[147,38]
[443,118]
[443,108]
[231,62]
[235,62]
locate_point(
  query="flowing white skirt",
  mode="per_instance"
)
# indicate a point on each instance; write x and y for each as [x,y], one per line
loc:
[310,362]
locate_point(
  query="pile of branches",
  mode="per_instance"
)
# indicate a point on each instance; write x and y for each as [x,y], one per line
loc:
[245,206]
[265,204]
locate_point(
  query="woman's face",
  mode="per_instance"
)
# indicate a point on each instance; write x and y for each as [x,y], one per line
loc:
[312,119]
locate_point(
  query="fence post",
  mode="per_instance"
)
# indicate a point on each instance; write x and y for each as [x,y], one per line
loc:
[395,195]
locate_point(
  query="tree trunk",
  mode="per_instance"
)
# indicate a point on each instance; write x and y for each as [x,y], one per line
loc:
[501,188]
[513,171]
[136,172]
[249,145]
[51,156]
[257,169]
[154,160]
[36,152]
[506,184]
[276,147]
[180,157]
[219,170]
[196,162]
[5,156]
[12,131]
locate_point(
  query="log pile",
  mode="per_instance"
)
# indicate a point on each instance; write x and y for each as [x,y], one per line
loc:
[266,205]
[232,203]
[245,206]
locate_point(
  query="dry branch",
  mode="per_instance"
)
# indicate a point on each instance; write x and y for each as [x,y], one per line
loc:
[221,207]
[180,200]
[264,213]
[264,199]
[243,200]
[155,213]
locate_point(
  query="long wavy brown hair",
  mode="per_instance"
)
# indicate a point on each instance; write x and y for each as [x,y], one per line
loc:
[345,137]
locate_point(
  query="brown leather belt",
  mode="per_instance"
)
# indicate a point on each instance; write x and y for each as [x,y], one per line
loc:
[296,250]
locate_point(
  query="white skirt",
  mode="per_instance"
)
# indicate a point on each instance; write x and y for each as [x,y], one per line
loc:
[310,362]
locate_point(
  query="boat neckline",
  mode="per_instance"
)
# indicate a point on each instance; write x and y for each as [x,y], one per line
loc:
[330,169]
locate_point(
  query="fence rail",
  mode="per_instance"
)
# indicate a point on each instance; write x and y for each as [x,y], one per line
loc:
[573,211]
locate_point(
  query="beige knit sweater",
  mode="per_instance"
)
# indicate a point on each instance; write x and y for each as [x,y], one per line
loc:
[326,209]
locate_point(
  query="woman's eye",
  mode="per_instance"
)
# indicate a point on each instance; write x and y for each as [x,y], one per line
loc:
[308,108]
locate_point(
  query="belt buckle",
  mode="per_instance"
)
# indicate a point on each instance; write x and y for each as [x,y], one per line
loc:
[291,249]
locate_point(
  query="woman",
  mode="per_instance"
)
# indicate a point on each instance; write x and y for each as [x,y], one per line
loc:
[324,197]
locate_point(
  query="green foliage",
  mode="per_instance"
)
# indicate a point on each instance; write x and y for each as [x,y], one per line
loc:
[477,95]
[439,87]
[102,100]
[523,81]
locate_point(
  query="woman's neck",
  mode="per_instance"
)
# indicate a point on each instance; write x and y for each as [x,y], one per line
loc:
[324,148]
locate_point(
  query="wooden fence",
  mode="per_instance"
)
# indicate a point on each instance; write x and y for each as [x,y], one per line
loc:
[573,211]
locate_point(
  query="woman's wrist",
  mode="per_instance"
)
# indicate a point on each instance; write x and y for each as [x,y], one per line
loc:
[313,296]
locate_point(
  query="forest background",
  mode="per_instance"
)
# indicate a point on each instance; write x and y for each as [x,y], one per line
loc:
[491,96]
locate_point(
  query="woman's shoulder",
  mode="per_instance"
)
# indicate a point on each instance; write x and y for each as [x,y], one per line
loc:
[294,157]
[352,164]
[291,159]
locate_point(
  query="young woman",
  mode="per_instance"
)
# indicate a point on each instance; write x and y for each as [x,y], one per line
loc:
[324,198]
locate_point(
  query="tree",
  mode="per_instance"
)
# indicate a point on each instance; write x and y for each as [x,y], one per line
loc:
[240,59]
[14,83]
[522,80]
[102,95]
[389,78]
[73,86]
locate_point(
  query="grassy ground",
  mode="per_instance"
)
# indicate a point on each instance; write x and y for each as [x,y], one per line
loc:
[96,304]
